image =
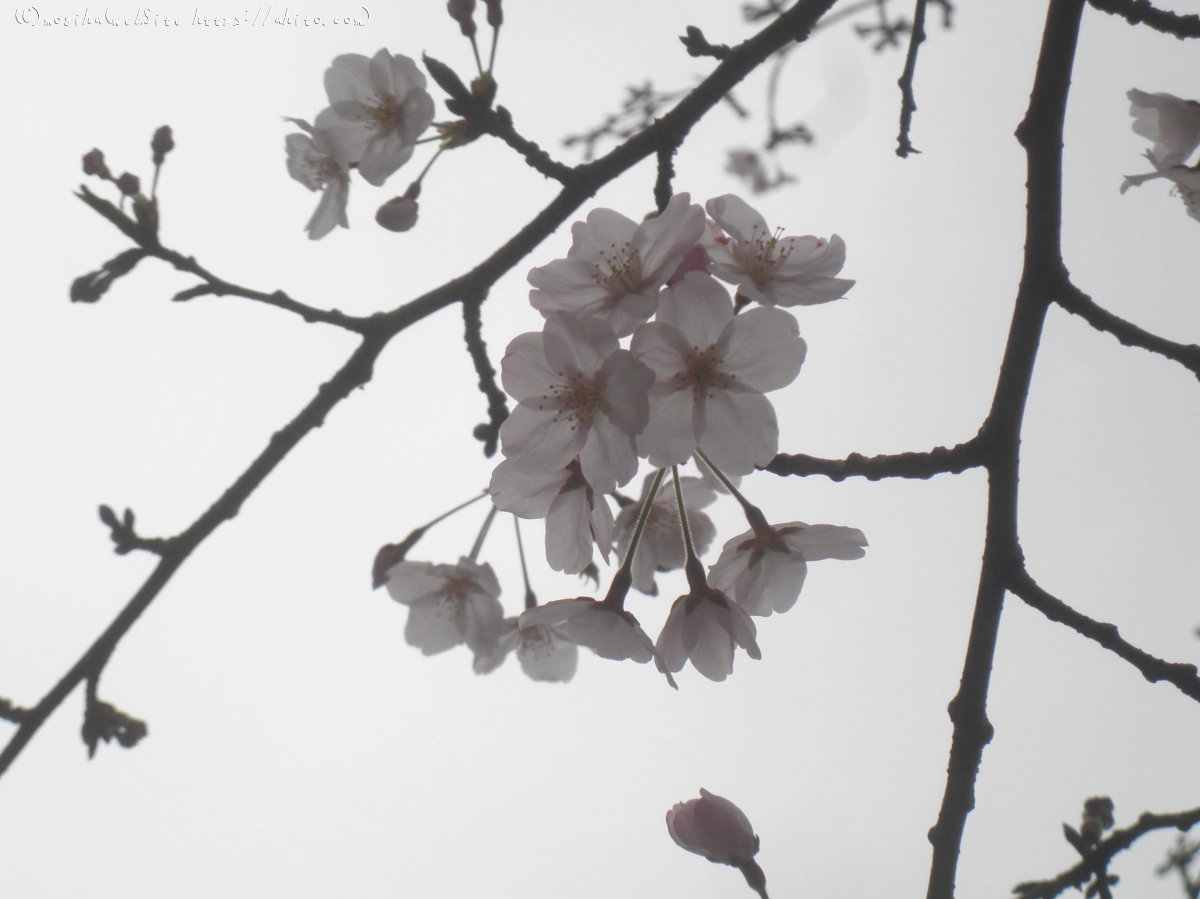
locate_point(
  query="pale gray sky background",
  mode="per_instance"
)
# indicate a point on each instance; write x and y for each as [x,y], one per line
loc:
[299,748]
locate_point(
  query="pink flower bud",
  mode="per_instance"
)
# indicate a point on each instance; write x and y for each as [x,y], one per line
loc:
[463,12]
[93,164]
[494,16]
[397,214]
[162,144]
[714,827]
[128,184]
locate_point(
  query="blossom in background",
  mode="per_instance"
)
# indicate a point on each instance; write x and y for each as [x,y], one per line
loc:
[712,370]
[763,579]
[615,266]
[579,394]
[310,161]
[714,827]
[378,108]
[661,547]
[705,626]
[448,605]
[771,269]
[609,632]
[545,652]
[576,515]
[1173,124]
[1187,185]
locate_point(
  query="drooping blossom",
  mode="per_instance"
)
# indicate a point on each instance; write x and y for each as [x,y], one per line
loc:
[714,827]
[378,108]
[448,605]
[769,268]
[712,370]
[763,579]
[1187,185]
[1173,124]
[609,632]
[576,515]
[579,394]
[661,547]
[615,266]
[311,162]
[705,626]
[545,652]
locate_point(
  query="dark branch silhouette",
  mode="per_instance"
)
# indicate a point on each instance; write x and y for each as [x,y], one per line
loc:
[875,468]
[1142,12]
[908,103]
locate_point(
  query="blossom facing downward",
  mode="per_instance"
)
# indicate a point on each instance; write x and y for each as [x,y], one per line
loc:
[661,547]
[311,162]
[714,827]
[769,268]
[579,394]
[615,266]
[706,626]
[763,578]
[448,605]
[1173,124]
[378,108]
[712,370]
[609,632]
[545,652]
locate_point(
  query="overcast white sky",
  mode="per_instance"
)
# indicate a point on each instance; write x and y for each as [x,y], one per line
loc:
[299,748]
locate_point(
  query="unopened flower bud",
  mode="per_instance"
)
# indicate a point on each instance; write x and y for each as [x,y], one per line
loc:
[714,827]
[463,12]
[93,164]
[494,16]
[413,191]
[484,88]
[162,144]
[129,184]
[397,214]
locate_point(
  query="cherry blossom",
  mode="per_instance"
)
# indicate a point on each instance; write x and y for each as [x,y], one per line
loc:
[714,827]
[1173,124]
[769,268]
[579,394]
[311,162]
[378,107]
[610,632]
[705,626]
[713,369]
[763,579]
[576,516]
[661,547]
[448,605]
[545,652]
[615,266]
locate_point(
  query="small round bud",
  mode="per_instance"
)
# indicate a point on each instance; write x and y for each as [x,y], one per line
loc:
[397,214]
[162,144]
[494,16]
[129,184]
[463,12]
[93,164]
[413,191]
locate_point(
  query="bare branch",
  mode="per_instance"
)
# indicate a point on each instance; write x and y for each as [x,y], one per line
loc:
[10,712]
[1075,301]
[1153,669]
[488,433]
[938,460]
[908,103]
[1139,12]
[666,172]
[697,44]
[499,124]
[126,538]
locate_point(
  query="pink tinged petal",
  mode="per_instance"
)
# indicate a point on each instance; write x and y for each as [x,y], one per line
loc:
[703,530]
[609,457]
[416,114]
[330,211]
[662,241]
[507,637]
[694,260]
[662,347]
[812,292]
[546,655]
[555,613]
[763,350]
[566,285]
[380,72]
[624,384]
[633,310]
[482,619]
[435,624]
[411,581]
[569,532]
[773,584]
[682,828]
[604,231]
[672,649]
[669,438]
[524,493]
[578,344]
[346,130]
[826,541]
[535,437]
[602,525]
[711,643]
[699,307]
[723,829]
[524,370]
[382,156]
[348,78]
[741,431]
[737,217]
[809,257]
[303,161]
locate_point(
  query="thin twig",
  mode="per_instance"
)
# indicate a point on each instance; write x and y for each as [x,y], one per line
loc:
[1154,669]
[499,124]
[1138,12]
[662,183]
[939,460]
[908,103]
[489,433]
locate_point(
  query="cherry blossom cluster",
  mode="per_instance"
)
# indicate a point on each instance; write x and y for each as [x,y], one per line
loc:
[1174,127]
[378,109]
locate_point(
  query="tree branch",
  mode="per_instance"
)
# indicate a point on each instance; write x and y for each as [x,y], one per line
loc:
[1153,669]
[1075,301]
[908,103]
[938,460]
[499,124]
[488,433]
[1117,841]
[379,330]
[1139,12]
